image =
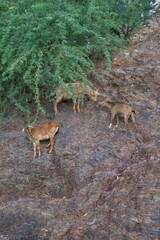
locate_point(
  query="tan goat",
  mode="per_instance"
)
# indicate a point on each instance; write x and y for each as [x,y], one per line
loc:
[120,109]
[74,91]
[40,132]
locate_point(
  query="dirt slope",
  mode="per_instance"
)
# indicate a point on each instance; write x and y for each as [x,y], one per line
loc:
[100,183]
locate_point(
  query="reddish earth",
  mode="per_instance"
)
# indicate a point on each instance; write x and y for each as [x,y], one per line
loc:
[99,183]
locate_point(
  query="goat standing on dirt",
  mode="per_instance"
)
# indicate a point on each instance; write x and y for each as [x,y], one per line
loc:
[40,132]
[74,91]
[122,109]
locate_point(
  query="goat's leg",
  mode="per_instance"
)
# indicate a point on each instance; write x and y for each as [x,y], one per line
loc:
[34,146]
[78,107]
[134,120]
[51,143]
[39,149]
[126,121]
[111,121]
[117,120]
[48,145]
[56,103]
[74,105]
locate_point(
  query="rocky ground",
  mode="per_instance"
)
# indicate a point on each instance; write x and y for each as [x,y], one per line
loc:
[99,183]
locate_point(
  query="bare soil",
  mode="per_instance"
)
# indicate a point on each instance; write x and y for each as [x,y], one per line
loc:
[99,183]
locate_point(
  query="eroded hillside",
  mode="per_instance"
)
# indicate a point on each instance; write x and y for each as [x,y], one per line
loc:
[100,183]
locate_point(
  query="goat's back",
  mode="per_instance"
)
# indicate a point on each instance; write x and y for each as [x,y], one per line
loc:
[122,108]
[42,131]
[44,128]
[69,90]
[76,89]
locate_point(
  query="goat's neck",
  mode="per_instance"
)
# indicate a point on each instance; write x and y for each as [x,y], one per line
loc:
[30,135]
[109,104]
[88,90]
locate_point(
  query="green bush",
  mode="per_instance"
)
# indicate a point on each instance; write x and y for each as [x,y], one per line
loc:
[130,14]
[46,43]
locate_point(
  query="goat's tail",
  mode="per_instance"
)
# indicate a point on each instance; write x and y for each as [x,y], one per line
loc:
[56,129]
[134,120]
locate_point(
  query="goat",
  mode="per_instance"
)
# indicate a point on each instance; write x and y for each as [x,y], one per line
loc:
[40,132]
[74,91]
[122,109]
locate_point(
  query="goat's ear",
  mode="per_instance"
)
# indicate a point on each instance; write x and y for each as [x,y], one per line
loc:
[30,126]
[98,93]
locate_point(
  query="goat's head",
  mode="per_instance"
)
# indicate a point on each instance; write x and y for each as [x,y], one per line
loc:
[104,101]
[27,129]
[94,95]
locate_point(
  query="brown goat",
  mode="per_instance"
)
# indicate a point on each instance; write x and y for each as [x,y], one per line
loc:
[120,109]
[74,91]
[40,132]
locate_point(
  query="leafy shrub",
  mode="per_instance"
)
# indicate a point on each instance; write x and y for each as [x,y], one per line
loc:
[47,43]
[131,14]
